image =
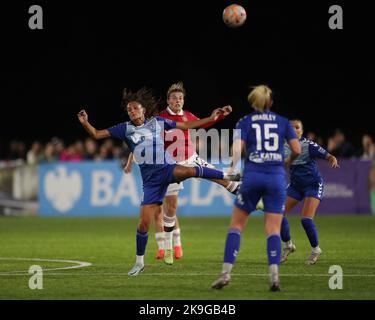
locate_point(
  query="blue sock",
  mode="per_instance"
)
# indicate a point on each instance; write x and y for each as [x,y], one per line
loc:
[285,230]
[208,173]
[141,243]
[311,232]
[232,246]
[274,249]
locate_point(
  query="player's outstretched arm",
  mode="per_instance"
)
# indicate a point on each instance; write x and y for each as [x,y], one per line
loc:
[332,160]
[186,125]
[129,164]
[93,132]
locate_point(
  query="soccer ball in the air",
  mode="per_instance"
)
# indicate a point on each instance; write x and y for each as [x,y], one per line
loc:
[234,16]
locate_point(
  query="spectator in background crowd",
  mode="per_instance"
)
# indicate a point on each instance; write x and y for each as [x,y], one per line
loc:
[338,146]
[49,153]
[368,148]
[312,136]
[35,154]
[74,152]
[58,146]
[91,148]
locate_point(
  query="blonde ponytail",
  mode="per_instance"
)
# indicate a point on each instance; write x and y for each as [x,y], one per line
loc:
[260,98]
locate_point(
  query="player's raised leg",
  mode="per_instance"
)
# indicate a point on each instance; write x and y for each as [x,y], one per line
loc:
[146,216]
[308,213]
[232,246]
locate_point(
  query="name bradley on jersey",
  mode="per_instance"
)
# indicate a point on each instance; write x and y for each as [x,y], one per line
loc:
[263,116]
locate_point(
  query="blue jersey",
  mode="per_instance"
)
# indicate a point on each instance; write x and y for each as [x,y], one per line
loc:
[147,143]
[304,170]
[264,135]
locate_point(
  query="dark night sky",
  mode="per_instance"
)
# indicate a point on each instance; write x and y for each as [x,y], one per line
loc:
[88,53]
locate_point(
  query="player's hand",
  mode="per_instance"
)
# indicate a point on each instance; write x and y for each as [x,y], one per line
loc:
[215,115]
[82,116]
[128,168]
[226,110]
[333,161]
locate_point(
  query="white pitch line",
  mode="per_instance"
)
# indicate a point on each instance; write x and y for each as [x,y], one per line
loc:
[185,274]
[79,264]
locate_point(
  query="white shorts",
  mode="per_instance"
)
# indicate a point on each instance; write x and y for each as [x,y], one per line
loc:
[193,161]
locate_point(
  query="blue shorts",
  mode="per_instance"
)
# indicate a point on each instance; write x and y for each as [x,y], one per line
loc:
[315,190]
[155,188]
[270,187]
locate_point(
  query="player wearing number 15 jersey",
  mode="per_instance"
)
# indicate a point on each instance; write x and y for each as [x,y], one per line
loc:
[261,136]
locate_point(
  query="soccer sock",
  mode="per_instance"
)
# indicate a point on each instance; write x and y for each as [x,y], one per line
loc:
[311,232]
[141,243]
[169,223]
[208,173]
[160,239]
[274,249]
[177,237]
[285,230]
[232,246]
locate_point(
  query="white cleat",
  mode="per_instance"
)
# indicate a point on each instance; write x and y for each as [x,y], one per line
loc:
[221,282]
[287,251]
[313,258]
[136,270]
[274,278]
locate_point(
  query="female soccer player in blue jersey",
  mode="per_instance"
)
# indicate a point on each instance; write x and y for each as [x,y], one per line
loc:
[305,184]
[143,134]
[261,136]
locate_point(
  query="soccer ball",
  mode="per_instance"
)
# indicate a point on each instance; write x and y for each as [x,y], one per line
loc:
[234,16]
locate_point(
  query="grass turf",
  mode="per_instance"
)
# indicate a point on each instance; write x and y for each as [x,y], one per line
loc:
[109,244]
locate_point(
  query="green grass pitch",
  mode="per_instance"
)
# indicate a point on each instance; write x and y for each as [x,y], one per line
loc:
[109,244]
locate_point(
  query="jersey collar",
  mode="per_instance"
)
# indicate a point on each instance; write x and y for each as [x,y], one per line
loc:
[180,113]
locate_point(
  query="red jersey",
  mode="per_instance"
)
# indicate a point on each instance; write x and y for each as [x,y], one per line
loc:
[185,143]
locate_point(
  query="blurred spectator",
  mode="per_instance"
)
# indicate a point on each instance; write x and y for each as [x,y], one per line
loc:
[368,148]
[339,147]
[74,152]
[49,153]
[91,148]
[35,154]
[312,136]
[58,146]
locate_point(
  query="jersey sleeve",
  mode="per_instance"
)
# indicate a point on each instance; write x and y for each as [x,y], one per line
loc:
[118,131]
[242,131]
[289,132]
[168,124]
[190,116]
[316,151]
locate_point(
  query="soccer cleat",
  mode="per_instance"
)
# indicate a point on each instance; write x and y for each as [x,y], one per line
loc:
[274,278]
[136,270]
[222,281]
[178,252]
[237,188]
[313,258]
[168,256]
[287,251]
[160,254]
